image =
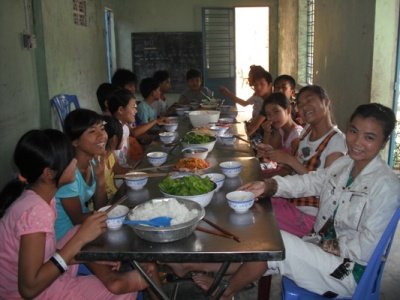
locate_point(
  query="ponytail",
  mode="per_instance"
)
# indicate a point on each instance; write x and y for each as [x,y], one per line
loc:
[10,192]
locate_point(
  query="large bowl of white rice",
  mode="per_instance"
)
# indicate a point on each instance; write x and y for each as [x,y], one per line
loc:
[185,216]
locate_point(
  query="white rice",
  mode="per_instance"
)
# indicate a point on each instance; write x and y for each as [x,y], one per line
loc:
[171,208]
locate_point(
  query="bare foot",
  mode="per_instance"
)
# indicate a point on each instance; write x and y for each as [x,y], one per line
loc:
[202,280]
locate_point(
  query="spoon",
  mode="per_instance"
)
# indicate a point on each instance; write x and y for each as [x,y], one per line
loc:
[155,222]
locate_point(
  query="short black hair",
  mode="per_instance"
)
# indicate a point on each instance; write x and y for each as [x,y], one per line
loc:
[120,97]
[287,78]
[262,74]
[161,76]
[113,127]
[78,120]
[277,98]
[103,93]
[147,86]
[123,77]
[193,73]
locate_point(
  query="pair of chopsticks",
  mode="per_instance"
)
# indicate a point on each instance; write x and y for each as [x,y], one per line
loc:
[222,232]
[131,176]
[153,168]
[119,201]
[242,139]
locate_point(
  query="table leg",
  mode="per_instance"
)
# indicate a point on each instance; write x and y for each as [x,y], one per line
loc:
[154,286]
[216,289]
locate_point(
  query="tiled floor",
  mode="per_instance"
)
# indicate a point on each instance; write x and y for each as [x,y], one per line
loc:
[390,288]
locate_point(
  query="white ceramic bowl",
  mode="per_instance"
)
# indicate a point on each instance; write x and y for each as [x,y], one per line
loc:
[136,183]
[201,118]
[173,119]
[195,151]
[203,199]
[218,130]
[240,201]
[180,111]
[156,159]
[167,137]
[171,127]
[231,168]
[227,139]
[116,217]
[217,178]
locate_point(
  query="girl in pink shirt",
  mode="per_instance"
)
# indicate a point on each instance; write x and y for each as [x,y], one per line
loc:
[32,265]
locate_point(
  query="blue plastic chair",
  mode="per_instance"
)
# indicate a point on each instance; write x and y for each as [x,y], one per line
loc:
[63,104]
[370,283]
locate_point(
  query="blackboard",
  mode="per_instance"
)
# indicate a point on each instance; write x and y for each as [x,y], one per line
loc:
[176,52]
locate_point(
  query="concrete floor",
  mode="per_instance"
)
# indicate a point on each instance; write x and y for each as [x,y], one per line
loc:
[390,286]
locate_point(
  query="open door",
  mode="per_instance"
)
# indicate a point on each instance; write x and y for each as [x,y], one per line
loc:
[219,48]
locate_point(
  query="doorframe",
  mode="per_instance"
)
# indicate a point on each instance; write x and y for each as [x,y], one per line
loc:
[110,42]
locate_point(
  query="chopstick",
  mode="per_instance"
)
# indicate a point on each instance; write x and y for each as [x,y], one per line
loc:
[242,139]
[154,168]
[119,201]
[222,230]
[202,229]
[127,175]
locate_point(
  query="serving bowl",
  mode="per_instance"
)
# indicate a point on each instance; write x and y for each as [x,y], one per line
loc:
[231,168]
[209,145]
[195,151]
[136,183]
[156,159]
[171,233]
[203,199]
[167,137]
[217,178]
[240,201]
[171,127]
[201,118]
[115,217]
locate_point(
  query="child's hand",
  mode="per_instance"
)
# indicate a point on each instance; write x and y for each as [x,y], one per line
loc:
[162,121]
[277,155]
[263,150]
[267,126]
[92,227]
[98,167]
[256,187]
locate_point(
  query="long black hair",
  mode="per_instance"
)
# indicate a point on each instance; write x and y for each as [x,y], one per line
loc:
[35,151]
[79,120]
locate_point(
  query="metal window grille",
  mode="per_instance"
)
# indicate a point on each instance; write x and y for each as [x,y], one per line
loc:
[79,12]
[310,41]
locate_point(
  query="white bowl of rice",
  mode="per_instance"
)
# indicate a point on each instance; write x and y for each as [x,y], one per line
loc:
[185,215]
[115,217]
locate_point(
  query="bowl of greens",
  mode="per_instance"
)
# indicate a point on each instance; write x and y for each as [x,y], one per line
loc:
[197,139]
[189,187]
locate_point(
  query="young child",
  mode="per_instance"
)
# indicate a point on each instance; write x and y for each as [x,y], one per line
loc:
[195,91]
[30,260]
[280,131]
[320,144]
[286,85]
[103,94]
[114,132]
[85,129]
[256,99]
[262,85]
[150,90]
[125,79]
[164,80]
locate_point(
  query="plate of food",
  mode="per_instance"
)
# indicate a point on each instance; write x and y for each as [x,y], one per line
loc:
[191,164]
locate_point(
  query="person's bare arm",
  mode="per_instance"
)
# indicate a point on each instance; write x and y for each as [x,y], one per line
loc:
[227,93]
[255,124]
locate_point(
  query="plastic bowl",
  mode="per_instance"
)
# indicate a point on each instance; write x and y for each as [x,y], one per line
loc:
[197,152]
[203,199]
[116,217]
[156,159]
[201,118]
[217,178]
[171,127]
[240,201]
[167,137]
[171,233]
[231,168]
[136,183]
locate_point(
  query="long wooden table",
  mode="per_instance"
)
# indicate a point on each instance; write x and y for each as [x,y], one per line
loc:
[257,230]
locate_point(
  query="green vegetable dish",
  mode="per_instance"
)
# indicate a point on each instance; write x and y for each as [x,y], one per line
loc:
[191,185]
[196,138]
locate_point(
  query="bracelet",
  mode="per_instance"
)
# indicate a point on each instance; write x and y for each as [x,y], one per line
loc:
[59,262]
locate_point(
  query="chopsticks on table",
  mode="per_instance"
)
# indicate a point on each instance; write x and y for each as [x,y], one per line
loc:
[240,138]
[223,232]
[153,168]
[128,176]
[119,201]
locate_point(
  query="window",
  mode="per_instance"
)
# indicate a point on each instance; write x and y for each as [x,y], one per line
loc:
[79,10]
[310,41]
